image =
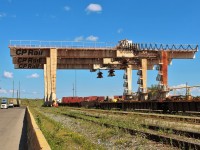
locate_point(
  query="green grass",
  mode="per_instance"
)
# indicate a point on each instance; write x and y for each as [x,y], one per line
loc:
[115,121]
[59,137]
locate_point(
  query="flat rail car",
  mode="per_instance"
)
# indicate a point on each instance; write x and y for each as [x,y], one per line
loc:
[164,106]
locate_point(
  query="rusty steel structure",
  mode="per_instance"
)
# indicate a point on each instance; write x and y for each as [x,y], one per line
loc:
[126,55]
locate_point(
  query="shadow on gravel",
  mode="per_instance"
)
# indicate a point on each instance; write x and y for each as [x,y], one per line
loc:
[23,145]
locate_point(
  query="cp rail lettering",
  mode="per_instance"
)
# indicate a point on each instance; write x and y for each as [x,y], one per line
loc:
[29,52]
[29,66]
[29,60]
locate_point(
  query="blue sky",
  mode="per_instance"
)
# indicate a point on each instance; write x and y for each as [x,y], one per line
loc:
[169,21]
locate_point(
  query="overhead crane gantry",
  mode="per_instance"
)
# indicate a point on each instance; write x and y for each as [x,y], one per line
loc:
[187,90]
[53,55]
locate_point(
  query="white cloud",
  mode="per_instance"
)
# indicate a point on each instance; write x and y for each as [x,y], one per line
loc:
[94,8]
[35,75]
[34,93]
[2,14]
[11,91]
[89,38]
[195,91]
[178,86]
[79,38]
[8,75]
[67,8]
[178,91]
[119,30]
[92,38]
[2,91]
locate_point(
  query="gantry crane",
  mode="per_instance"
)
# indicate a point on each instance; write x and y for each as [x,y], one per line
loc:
[144,55]
[187,92]
[95,56]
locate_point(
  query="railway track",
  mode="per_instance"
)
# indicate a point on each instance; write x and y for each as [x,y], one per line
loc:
[188,134]
[176,138]
[182,118]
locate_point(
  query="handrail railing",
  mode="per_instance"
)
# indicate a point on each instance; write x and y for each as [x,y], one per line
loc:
[85,44]
[158,47]
[60,44]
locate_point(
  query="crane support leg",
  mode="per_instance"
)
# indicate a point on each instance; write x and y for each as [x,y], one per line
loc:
[128,71]
[48,75]
[45,85]
[165,68]
[53,63]
[164,72]
[144,94]
[50,78]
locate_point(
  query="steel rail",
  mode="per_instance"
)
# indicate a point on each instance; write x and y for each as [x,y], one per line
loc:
[188,119]
[176,141]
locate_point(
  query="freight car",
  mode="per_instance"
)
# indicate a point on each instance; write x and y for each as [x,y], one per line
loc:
[88,102]
[167,106]
[164,106]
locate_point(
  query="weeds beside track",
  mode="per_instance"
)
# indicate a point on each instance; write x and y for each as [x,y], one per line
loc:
[188,119]
[178,138]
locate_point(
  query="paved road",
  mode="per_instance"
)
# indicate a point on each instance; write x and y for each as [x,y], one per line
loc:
[11,127]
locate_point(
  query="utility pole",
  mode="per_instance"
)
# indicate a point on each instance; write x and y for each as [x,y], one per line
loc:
[73,90]
[187,94]
[17,94]
[75,85]
[19,90]
[13,89]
